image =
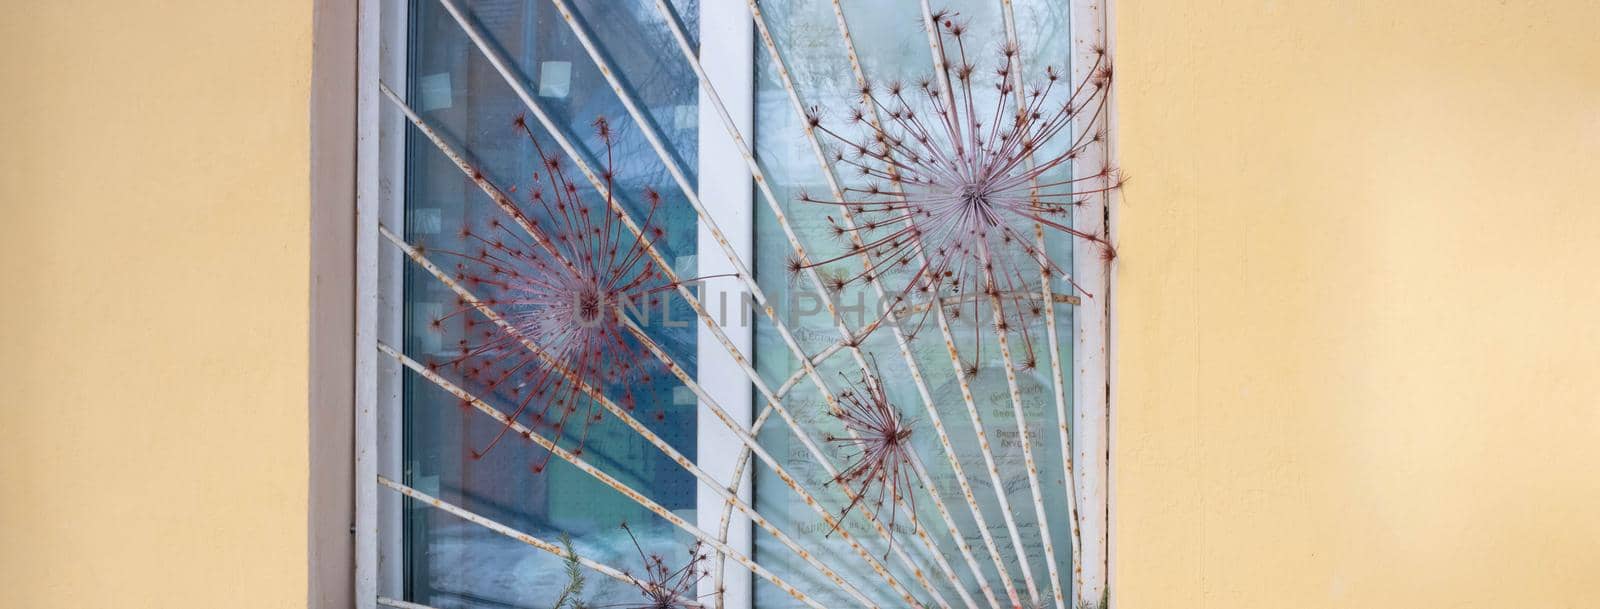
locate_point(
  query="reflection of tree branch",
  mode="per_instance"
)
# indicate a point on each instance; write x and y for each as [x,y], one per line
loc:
[959,299]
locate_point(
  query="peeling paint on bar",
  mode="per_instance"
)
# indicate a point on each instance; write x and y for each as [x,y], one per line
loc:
[727,510]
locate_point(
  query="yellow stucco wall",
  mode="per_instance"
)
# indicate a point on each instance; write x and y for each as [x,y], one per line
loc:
[153,323]
[1359,305]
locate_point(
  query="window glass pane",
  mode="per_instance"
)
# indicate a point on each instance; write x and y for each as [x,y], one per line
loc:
[449,562]
[892,46]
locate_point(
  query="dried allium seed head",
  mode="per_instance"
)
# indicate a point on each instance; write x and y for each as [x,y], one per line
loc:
[1107,252]
[556,274]
[663,585]
[879,474]
[968,184]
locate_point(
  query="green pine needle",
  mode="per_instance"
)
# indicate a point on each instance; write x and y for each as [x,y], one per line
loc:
[569,594]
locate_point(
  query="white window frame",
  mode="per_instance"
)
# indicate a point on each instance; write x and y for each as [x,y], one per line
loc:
[728,55]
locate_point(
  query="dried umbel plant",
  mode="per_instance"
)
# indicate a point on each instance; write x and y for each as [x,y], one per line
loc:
[560,273]
[668,585]
[878,449]
[951,187]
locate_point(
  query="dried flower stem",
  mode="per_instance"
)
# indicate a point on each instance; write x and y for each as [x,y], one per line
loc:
[520,88]
[881,438]
[665,587]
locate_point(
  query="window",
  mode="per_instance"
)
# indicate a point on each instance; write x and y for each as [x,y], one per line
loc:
[459,509]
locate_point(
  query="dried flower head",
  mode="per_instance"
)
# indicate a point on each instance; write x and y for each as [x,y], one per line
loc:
[950,188]
[879,440]
[668,587]
[559,273]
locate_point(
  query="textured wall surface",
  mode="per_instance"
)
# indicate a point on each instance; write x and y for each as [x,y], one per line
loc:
[1358,316]
[153,232]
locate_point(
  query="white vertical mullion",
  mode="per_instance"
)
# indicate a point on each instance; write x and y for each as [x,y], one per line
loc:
[393,54]
[380,162]
[1091,396]
[726,46]
[366,342]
